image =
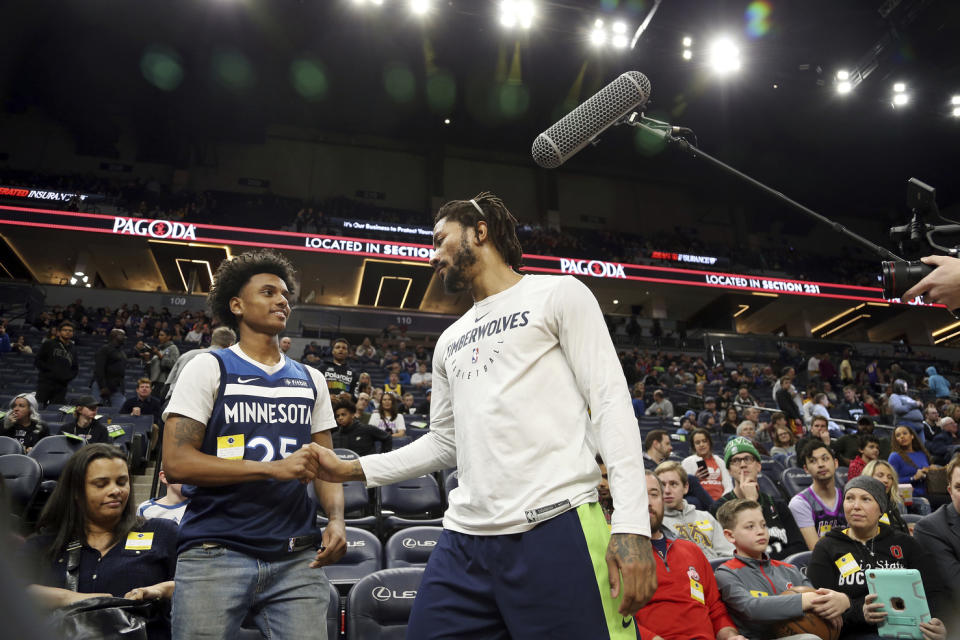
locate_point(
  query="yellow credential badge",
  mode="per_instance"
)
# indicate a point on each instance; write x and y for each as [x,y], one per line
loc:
[230,447]
[847,565]
[139,540]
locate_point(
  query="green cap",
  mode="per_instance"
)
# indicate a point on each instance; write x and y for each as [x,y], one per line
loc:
[739,445]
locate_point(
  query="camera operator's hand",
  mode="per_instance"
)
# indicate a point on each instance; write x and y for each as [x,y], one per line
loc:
[942,285]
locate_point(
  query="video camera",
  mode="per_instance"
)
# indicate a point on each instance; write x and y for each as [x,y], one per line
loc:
[899,276]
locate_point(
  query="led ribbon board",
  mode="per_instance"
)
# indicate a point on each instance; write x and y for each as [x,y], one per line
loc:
[296,241]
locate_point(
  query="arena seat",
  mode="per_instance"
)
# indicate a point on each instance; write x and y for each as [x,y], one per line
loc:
[379,605]
[410,503]
[772,467]
[364,556]
[716,562]
[795,480]
[357,507]
[21,475]
[799,560]
[912,518]
[410,547]
[346,454]
[52,453]
[249,631]
[681,445]
[842,477]
[450,483]
[767,486]
[8,446]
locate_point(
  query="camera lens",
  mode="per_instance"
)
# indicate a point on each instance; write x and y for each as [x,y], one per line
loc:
[899,276]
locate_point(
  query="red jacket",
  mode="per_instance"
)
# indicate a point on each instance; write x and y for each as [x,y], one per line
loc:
[673,613]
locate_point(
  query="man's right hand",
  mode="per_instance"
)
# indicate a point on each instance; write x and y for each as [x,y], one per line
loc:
[749,487]
[301,465]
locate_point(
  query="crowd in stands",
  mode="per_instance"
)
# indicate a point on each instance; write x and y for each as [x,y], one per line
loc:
[158,200]
[766,481]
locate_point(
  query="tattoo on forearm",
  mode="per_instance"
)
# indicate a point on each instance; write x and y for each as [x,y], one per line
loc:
[189,432]
[356,471]
[630,547]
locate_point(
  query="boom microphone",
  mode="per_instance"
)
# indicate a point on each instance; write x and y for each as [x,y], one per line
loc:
[578,128]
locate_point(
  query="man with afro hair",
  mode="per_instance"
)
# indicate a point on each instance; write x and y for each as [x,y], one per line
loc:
[240,433]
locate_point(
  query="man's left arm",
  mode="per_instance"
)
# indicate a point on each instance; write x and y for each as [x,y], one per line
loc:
[330,495]
[586,344]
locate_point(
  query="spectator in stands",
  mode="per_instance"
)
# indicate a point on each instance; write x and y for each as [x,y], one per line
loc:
[221,338]
[408,406]
[393,384]
[56,362]
[842,557]
[684,519]
[910,459]
[905,409]
[813,367]
[144,403]
[422,378]
[730,422]
[656,448]
[354,435]
[339,374]
[846,368]
[687,602]
[743,462]
[5,346]
[819,409]
[818,433]
[788,399]
[869,451]
[697,401]
[171,506]
[744,399]
[110,366]
[636,394]
[661,407]
[709,410]
[285,344]
[784,440]
[388,417]
[818,508]
[366,350]
[939,532]
[364,408]
[832,399]
[22,422]
[847,447]
[163,358]
[751,583]
[944,445]
[931,422]
[706,466]
[882,471]
[85,425]
[195,335]
[409,363]
[119,555]
[364,384]
[937,383]
[424,407]
[20,346]
[375,396]
[851,408]
[747,429]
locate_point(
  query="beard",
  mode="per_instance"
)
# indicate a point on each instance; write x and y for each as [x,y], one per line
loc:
[456,279]
[656,521]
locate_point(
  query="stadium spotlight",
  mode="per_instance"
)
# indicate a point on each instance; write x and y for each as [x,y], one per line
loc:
[900,99]
[843,75]
[687,42]
[446,121]
[620,40]
[899,87]
[687,54]
[724,56]
[955,101]
[420,7]
[598,35]
[515,13]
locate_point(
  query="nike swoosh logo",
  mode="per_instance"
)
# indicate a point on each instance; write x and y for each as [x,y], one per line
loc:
[626,622]
[246,380]
[479,318]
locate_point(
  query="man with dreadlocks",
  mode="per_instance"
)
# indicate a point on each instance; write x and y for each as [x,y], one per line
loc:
[241,429]
[526,551]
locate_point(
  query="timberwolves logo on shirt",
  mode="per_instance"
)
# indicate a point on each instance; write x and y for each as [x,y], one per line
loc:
[493,333]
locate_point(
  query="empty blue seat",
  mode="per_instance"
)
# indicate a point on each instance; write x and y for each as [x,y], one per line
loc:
[411,547]
[364,556]
[9,445]
[799,560]
[410,503]
[21,475]
[795,480]
[379,605]
[52,453]
[716,562]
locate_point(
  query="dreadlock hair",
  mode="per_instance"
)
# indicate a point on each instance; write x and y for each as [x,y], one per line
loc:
[501,225]
[232,275]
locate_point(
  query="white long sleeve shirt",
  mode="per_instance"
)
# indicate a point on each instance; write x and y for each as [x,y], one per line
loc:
[527,388]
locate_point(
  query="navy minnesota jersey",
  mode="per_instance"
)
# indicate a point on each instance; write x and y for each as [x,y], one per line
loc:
[255,417]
